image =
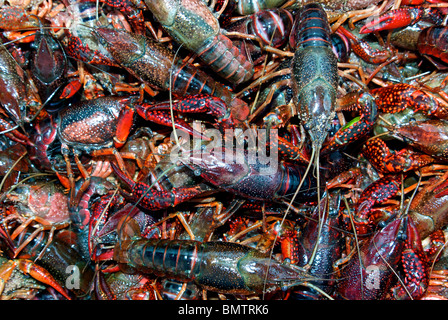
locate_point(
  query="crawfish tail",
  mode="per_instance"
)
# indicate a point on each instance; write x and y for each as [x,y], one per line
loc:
[192,24]
[226,59]
[292,176]
[168,258]
[156,65]
[311,28]
[49,63]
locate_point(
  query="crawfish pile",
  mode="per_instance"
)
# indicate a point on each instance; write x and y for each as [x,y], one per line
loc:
[118,118]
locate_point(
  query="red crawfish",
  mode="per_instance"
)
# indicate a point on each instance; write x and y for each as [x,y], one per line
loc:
[433,44]
[94,127]
[371,274]
[100,126]
[224,267]
[431,41]
[193,25]
[429,136]
[41,205]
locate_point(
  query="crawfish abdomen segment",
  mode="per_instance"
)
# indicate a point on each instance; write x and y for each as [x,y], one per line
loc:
[174,259]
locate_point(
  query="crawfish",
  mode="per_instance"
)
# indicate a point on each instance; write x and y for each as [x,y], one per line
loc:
[49,64]
[314,74]
[433,43]
[41,205]
[371,274]
[192,24]
[428,136]
[245,179]
[321,242]
[13,87]
[314,77]
[223,267]
[156,65]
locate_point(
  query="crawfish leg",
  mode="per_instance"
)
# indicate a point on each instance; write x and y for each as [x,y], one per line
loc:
[86,177]
[115,153]
[358,127]
[66,152]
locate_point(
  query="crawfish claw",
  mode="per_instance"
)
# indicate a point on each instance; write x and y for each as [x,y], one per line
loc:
[393,19]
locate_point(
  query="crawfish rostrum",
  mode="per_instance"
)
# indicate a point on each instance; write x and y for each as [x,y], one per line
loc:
[203,150]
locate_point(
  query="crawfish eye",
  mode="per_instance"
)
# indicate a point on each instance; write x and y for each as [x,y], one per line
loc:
[401,236]
[197,172]
[382,224]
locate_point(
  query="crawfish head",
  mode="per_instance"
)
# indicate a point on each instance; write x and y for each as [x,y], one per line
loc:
[41,199]
[320,104]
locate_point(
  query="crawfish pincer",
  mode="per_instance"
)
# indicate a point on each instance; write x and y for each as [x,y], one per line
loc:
[371,274]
